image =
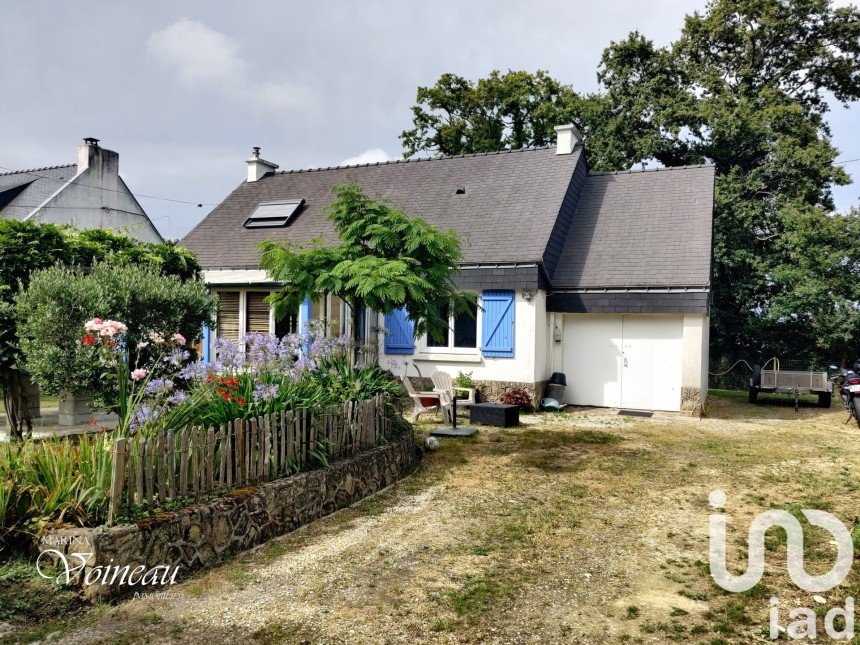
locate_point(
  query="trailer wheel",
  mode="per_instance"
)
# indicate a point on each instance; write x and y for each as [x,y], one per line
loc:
[824,399]
[753,394]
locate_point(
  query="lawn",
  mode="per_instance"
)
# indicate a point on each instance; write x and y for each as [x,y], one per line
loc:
[575,527]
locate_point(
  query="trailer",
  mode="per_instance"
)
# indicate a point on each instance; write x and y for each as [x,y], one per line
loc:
[791,382]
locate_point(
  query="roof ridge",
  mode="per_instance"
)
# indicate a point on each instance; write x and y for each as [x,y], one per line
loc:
[632,171]
[417,159]
[19,172]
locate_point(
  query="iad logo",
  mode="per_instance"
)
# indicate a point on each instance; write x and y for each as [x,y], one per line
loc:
[806,627]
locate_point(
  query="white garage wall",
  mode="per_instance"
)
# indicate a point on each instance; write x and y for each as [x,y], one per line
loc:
[696,346]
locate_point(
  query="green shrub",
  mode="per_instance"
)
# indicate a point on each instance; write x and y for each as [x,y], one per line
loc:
[464,379]
[52,311]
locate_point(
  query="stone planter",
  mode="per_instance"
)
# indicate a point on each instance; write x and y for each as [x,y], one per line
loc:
[202,535]
[75,409]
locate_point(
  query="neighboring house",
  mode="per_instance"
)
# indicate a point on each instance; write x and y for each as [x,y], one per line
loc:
[89,194]
[605,277]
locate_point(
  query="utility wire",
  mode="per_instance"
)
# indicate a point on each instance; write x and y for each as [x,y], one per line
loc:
[842,163]
[112,190]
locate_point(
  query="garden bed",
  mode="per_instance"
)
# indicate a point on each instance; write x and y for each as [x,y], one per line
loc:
[201,535]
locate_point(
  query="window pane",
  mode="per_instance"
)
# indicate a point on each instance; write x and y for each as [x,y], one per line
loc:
[228,315]
[335,313]
[431,341]
[318,308]
[256,312]
[289,324]
[466,328]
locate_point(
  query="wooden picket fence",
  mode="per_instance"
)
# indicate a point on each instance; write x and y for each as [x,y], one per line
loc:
[195,461]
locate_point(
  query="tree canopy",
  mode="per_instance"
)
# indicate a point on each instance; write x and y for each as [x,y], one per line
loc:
[745,87]
[385,259]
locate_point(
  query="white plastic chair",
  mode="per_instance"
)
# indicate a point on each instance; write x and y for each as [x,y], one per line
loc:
[418,405]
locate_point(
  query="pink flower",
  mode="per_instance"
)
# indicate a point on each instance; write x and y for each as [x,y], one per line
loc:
[93,325]
[142,344]
[179,338]
[138,374]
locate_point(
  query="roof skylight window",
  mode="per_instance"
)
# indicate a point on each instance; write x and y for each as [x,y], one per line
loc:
[274,214]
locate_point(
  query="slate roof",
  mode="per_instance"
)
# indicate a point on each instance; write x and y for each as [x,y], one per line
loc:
[508,213]
[23,190]
[648,228]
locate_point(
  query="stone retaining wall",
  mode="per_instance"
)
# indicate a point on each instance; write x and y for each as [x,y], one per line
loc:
[201,535]
[491,390]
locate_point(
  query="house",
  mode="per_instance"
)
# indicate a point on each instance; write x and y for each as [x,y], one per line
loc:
[605,277]
[88,194]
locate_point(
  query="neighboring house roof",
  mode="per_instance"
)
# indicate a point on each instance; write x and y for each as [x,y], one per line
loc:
[22,191]
[647,228]
[508,213]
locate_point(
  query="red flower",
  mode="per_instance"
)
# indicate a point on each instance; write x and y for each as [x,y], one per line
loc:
[91,422]
[230,381]
[88,339]
[225,395]
[210,377]
[241,400]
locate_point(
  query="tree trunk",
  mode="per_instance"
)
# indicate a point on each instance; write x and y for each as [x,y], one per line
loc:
[18,419]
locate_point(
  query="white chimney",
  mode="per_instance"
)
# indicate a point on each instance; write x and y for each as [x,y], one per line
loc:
[101,160]
[257,167]
[567,136]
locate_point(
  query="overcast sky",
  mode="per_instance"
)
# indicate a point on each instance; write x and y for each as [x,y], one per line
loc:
[182,90]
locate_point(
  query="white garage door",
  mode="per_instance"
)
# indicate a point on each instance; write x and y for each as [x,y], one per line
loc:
[623,361]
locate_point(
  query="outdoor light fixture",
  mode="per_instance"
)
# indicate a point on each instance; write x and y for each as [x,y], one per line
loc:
[527,295]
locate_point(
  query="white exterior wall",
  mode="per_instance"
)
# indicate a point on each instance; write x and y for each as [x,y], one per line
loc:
[694,372]
[528,364]
[97,197]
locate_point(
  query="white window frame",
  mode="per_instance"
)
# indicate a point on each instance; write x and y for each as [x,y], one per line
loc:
[424,348]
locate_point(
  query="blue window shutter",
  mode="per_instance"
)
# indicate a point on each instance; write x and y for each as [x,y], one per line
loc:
[207,338]
[304,318]
[497,328]
[399,339]
[207,333]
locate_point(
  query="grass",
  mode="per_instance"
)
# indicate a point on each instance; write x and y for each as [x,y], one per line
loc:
[34,605]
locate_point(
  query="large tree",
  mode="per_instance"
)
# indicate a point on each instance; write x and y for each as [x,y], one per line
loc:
[512,110]
[746,87]
[384,260]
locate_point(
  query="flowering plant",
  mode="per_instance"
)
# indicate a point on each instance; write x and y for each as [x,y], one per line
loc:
[134,383]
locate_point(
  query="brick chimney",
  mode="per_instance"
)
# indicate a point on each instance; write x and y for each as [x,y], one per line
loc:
[258,168]
[567,136]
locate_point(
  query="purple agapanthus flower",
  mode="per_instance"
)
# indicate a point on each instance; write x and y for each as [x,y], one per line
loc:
[263,392]
[143,415]
[198,369]
[177,397]
[159,386]
[176,356]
